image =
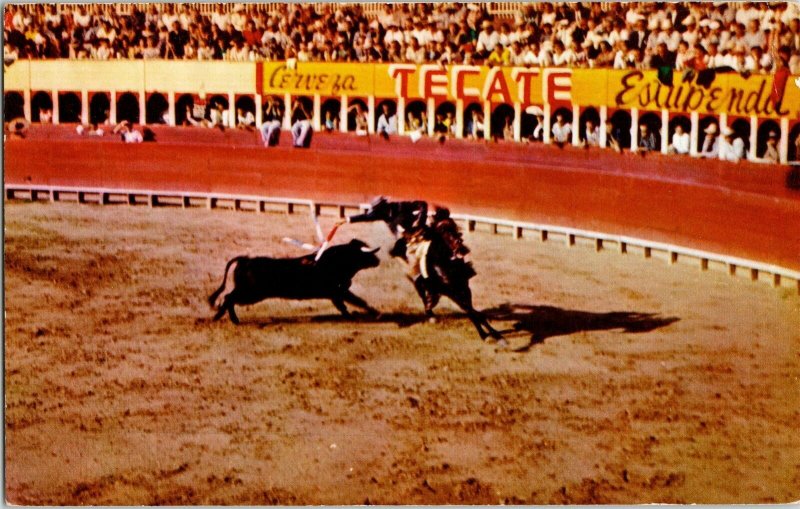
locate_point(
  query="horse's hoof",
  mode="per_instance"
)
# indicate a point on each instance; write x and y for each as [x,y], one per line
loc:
[433,319]
[502,343]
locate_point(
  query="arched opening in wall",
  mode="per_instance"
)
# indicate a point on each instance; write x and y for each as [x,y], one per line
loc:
[588,115]
[128,108]
[330,114]
[416,116]
[387,106]
[653,123]
[445,119]
[183,108]
[531,116]
[686,127]
[702,125]
[503,122]
[566,120]
[272,108]
[307,104]
[40,102]
[69,108]
[355,106]
[473,121]
[246,104]
[621,126]
[99,108]
[390,104]
[245,107]
[214,102]
[156,109]
[763,135]
[13,105]
[566,115]
[741,129]
[794,143]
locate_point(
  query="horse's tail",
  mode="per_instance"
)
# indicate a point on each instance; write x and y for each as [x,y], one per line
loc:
[212,299]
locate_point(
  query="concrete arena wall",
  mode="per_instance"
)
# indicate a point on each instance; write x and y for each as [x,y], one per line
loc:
[742,210]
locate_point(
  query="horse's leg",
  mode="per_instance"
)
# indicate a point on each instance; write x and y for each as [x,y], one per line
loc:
[429,299]
[463,298]
[358,301]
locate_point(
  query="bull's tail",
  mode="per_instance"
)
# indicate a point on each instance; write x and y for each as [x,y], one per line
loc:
[212,299]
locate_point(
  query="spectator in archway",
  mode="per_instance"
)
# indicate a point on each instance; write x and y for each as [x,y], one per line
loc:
[561,131]
[360,118]
[450,123]
[387,122]
[771,154]
[591,137]
[45,115]
[710,148]
[647,139]
[731,146]
[331,123]
[680,141]
[216,117]
[476,127]
[271,128]
[301,126]
[190,118]
[128,132]
[508,128]
[613,136]
[245,119]
[538,130]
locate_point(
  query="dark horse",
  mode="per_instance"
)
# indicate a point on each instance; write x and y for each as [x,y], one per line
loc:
[434,254]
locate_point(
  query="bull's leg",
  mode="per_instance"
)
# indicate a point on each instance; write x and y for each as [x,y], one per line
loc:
[339,303]
[221,311]
[358,301]
[227,306]
[232,313]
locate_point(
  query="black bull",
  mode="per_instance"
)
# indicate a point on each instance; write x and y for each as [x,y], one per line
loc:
[256,279]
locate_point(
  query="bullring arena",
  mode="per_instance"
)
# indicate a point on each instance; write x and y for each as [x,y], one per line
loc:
[651,302]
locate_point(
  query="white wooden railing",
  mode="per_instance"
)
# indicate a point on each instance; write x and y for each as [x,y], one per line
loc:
[757,271]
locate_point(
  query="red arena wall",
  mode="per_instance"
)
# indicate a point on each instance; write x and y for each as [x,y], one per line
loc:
[742,209]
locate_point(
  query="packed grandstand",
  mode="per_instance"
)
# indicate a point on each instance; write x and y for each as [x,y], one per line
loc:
[747,37]
[753,48]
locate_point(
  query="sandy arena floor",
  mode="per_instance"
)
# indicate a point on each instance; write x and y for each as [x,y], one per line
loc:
[628,381]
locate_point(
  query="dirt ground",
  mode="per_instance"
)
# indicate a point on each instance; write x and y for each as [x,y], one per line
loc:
[627,380]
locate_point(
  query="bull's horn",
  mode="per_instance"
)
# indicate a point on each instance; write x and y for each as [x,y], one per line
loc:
[371,251]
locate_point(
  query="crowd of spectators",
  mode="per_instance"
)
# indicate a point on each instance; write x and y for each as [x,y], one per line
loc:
[746,37]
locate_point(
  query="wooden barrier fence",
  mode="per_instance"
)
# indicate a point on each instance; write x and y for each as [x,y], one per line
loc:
[756,271]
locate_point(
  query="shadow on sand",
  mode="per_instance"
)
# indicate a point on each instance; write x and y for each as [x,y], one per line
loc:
[541,322]
[401,319]
[547,321]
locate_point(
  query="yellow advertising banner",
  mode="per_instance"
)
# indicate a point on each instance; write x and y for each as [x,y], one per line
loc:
[728,93]
[706,93]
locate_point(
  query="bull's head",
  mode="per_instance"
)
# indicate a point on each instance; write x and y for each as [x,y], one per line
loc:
[364,254]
